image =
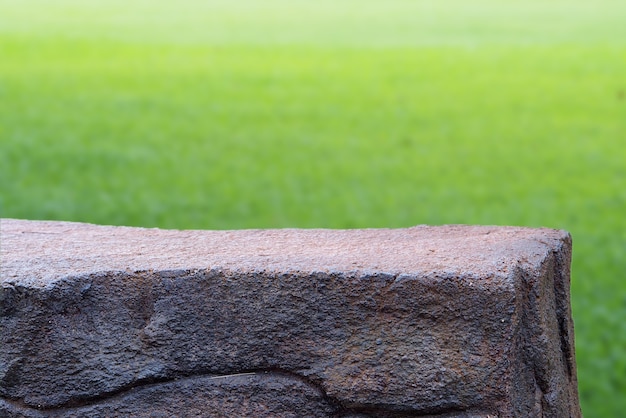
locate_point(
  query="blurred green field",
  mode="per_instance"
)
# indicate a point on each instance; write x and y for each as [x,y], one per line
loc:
[259,114]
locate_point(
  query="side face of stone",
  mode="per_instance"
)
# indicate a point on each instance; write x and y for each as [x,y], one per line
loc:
[318,338]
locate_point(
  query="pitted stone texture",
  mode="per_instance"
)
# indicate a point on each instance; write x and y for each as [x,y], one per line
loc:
[454,320]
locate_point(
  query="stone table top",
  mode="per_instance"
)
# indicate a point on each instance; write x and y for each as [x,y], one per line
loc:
[38,252]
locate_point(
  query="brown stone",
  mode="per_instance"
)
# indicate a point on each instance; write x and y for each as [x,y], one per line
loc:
[451,321]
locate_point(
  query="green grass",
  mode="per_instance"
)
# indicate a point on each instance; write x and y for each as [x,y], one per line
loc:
[347,114]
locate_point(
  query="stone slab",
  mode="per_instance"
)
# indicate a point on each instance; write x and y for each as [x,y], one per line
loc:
[450,321]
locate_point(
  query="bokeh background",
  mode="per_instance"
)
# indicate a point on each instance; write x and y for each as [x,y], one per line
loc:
[332,114]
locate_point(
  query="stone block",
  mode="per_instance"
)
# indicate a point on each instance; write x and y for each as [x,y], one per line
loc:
[449,321]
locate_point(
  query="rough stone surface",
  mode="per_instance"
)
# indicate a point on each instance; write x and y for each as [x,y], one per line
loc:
[451,321]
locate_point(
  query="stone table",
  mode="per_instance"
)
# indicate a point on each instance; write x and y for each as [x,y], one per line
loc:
[448,321]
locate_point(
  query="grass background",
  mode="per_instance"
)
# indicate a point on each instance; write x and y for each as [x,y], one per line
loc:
[335,114]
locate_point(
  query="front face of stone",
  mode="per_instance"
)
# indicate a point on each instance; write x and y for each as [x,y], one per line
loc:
[214,340]
[402,341]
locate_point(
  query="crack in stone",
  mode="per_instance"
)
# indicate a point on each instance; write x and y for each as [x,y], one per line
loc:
[79,402]
[561,304]
[341,410]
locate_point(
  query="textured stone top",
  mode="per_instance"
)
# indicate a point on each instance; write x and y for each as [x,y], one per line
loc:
[38,252]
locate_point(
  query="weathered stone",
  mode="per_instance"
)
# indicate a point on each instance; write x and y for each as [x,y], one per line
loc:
[452,321]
